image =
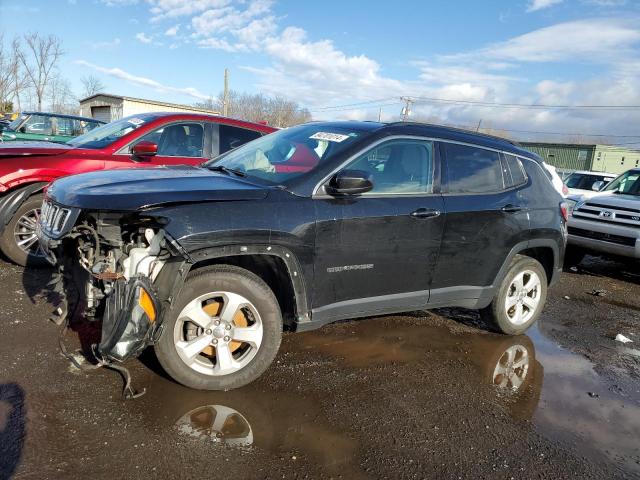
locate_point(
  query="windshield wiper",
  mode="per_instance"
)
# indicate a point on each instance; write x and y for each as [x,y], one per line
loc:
[227,170]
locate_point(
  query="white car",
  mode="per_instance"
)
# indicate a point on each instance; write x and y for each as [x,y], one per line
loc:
[556,180]
[587,183]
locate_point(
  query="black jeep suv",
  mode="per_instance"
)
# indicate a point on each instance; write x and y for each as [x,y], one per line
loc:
[300,228]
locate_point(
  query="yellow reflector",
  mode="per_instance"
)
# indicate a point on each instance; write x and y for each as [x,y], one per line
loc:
[144,300]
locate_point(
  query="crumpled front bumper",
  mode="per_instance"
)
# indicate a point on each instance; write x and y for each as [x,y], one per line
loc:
[130,320]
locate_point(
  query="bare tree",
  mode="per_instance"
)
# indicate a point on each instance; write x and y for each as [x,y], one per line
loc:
[276,111]
[61,97]
[91,85]
[11,78]
[38,59]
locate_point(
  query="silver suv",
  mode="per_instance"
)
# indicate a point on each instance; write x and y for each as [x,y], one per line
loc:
[608,222]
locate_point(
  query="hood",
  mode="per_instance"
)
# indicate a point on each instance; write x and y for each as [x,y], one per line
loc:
[615,200]
[132,189]
[25,149]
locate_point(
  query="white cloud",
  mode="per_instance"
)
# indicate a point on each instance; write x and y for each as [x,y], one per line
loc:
[162,9]
[592,39]
[529,68]
[143,38]
[143,81]
[535,5]
[172,31]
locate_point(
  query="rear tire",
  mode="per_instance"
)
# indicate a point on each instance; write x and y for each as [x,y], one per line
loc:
[21,228]
[519,301]
[223,331]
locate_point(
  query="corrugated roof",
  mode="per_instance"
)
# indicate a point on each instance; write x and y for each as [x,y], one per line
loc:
[151,102]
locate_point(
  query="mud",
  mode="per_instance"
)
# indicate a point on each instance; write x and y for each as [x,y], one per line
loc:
[422,395]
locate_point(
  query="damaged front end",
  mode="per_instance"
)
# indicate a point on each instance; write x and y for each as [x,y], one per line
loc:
[115,268]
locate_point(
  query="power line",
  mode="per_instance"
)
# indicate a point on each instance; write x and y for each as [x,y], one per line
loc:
[523,105]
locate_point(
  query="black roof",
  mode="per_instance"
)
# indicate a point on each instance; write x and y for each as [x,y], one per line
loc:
[62,115]
[458,135]
[436,131]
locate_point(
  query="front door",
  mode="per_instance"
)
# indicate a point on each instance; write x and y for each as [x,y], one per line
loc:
[180,143]
[375,252]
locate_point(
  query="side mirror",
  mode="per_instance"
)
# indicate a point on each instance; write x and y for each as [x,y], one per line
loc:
[23,129]
[349,182]
[597,186]
[144,149]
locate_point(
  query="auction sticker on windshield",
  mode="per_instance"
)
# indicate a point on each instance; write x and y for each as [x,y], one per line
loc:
[331,137]
[136,121]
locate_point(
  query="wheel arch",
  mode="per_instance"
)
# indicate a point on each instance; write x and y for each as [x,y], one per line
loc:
[11,201]
[545,251]
[276,266]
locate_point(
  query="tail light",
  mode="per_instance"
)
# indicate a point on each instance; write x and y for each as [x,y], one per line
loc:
[564,211]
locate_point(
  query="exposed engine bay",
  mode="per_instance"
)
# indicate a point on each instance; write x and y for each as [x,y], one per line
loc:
[107,267]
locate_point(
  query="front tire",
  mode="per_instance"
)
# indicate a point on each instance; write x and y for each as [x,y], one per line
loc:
[223,331]
[18,240]
[519,301]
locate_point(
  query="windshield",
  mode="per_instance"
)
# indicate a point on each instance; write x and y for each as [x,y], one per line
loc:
[584,181]
[628,183]
[16,123]
[106,134]
[290,153]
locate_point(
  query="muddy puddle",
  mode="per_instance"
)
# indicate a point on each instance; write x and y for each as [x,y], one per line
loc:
[529,376]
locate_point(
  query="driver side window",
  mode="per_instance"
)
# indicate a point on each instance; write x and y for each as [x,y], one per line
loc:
[177,140]
[399,167]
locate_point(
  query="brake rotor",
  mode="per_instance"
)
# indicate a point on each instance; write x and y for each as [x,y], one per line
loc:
[239,320]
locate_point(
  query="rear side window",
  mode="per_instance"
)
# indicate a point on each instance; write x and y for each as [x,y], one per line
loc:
[472,169]
[514,174]
[233,137]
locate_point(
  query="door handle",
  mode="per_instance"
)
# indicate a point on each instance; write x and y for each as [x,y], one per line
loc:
[425,213]
[510,208]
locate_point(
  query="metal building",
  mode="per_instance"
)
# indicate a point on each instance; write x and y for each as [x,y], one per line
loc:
[107,107]
[564,156]
[567,157]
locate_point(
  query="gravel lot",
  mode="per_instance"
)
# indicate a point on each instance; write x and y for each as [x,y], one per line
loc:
[410,396]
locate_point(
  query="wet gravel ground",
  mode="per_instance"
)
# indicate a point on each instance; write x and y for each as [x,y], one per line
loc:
[422,395]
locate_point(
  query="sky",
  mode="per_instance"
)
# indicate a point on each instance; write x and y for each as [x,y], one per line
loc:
[356,59]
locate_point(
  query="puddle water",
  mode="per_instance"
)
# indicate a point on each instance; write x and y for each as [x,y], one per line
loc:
[535,379]
[285,424]
[531,376]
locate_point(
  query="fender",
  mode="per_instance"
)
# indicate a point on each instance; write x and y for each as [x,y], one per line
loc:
[12,201]
[294,270]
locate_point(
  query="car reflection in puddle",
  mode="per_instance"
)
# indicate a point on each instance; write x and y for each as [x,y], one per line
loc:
[217,423]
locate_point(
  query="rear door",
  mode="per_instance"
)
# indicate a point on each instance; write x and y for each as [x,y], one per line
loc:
[486,217]
[377,251]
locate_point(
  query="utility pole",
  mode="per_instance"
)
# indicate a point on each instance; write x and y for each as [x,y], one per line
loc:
[380,114]
[479,123]
[406,110]
[225,95]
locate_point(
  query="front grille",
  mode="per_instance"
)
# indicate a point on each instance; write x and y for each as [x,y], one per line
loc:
[610,214]
[605,237]
[53,218]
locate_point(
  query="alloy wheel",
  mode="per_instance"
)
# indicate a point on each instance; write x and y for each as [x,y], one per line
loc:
[24,233]
[523,297]
[218,333]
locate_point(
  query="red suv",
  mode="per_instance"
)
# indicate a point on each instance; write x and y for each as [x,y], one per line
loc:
[136,141]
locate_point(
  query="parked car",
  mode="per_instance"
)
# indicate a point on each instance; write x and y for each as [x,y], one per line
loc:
[557,182]
[142,140]
[50,127]
[585,183]
[607,222]
[309,225]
